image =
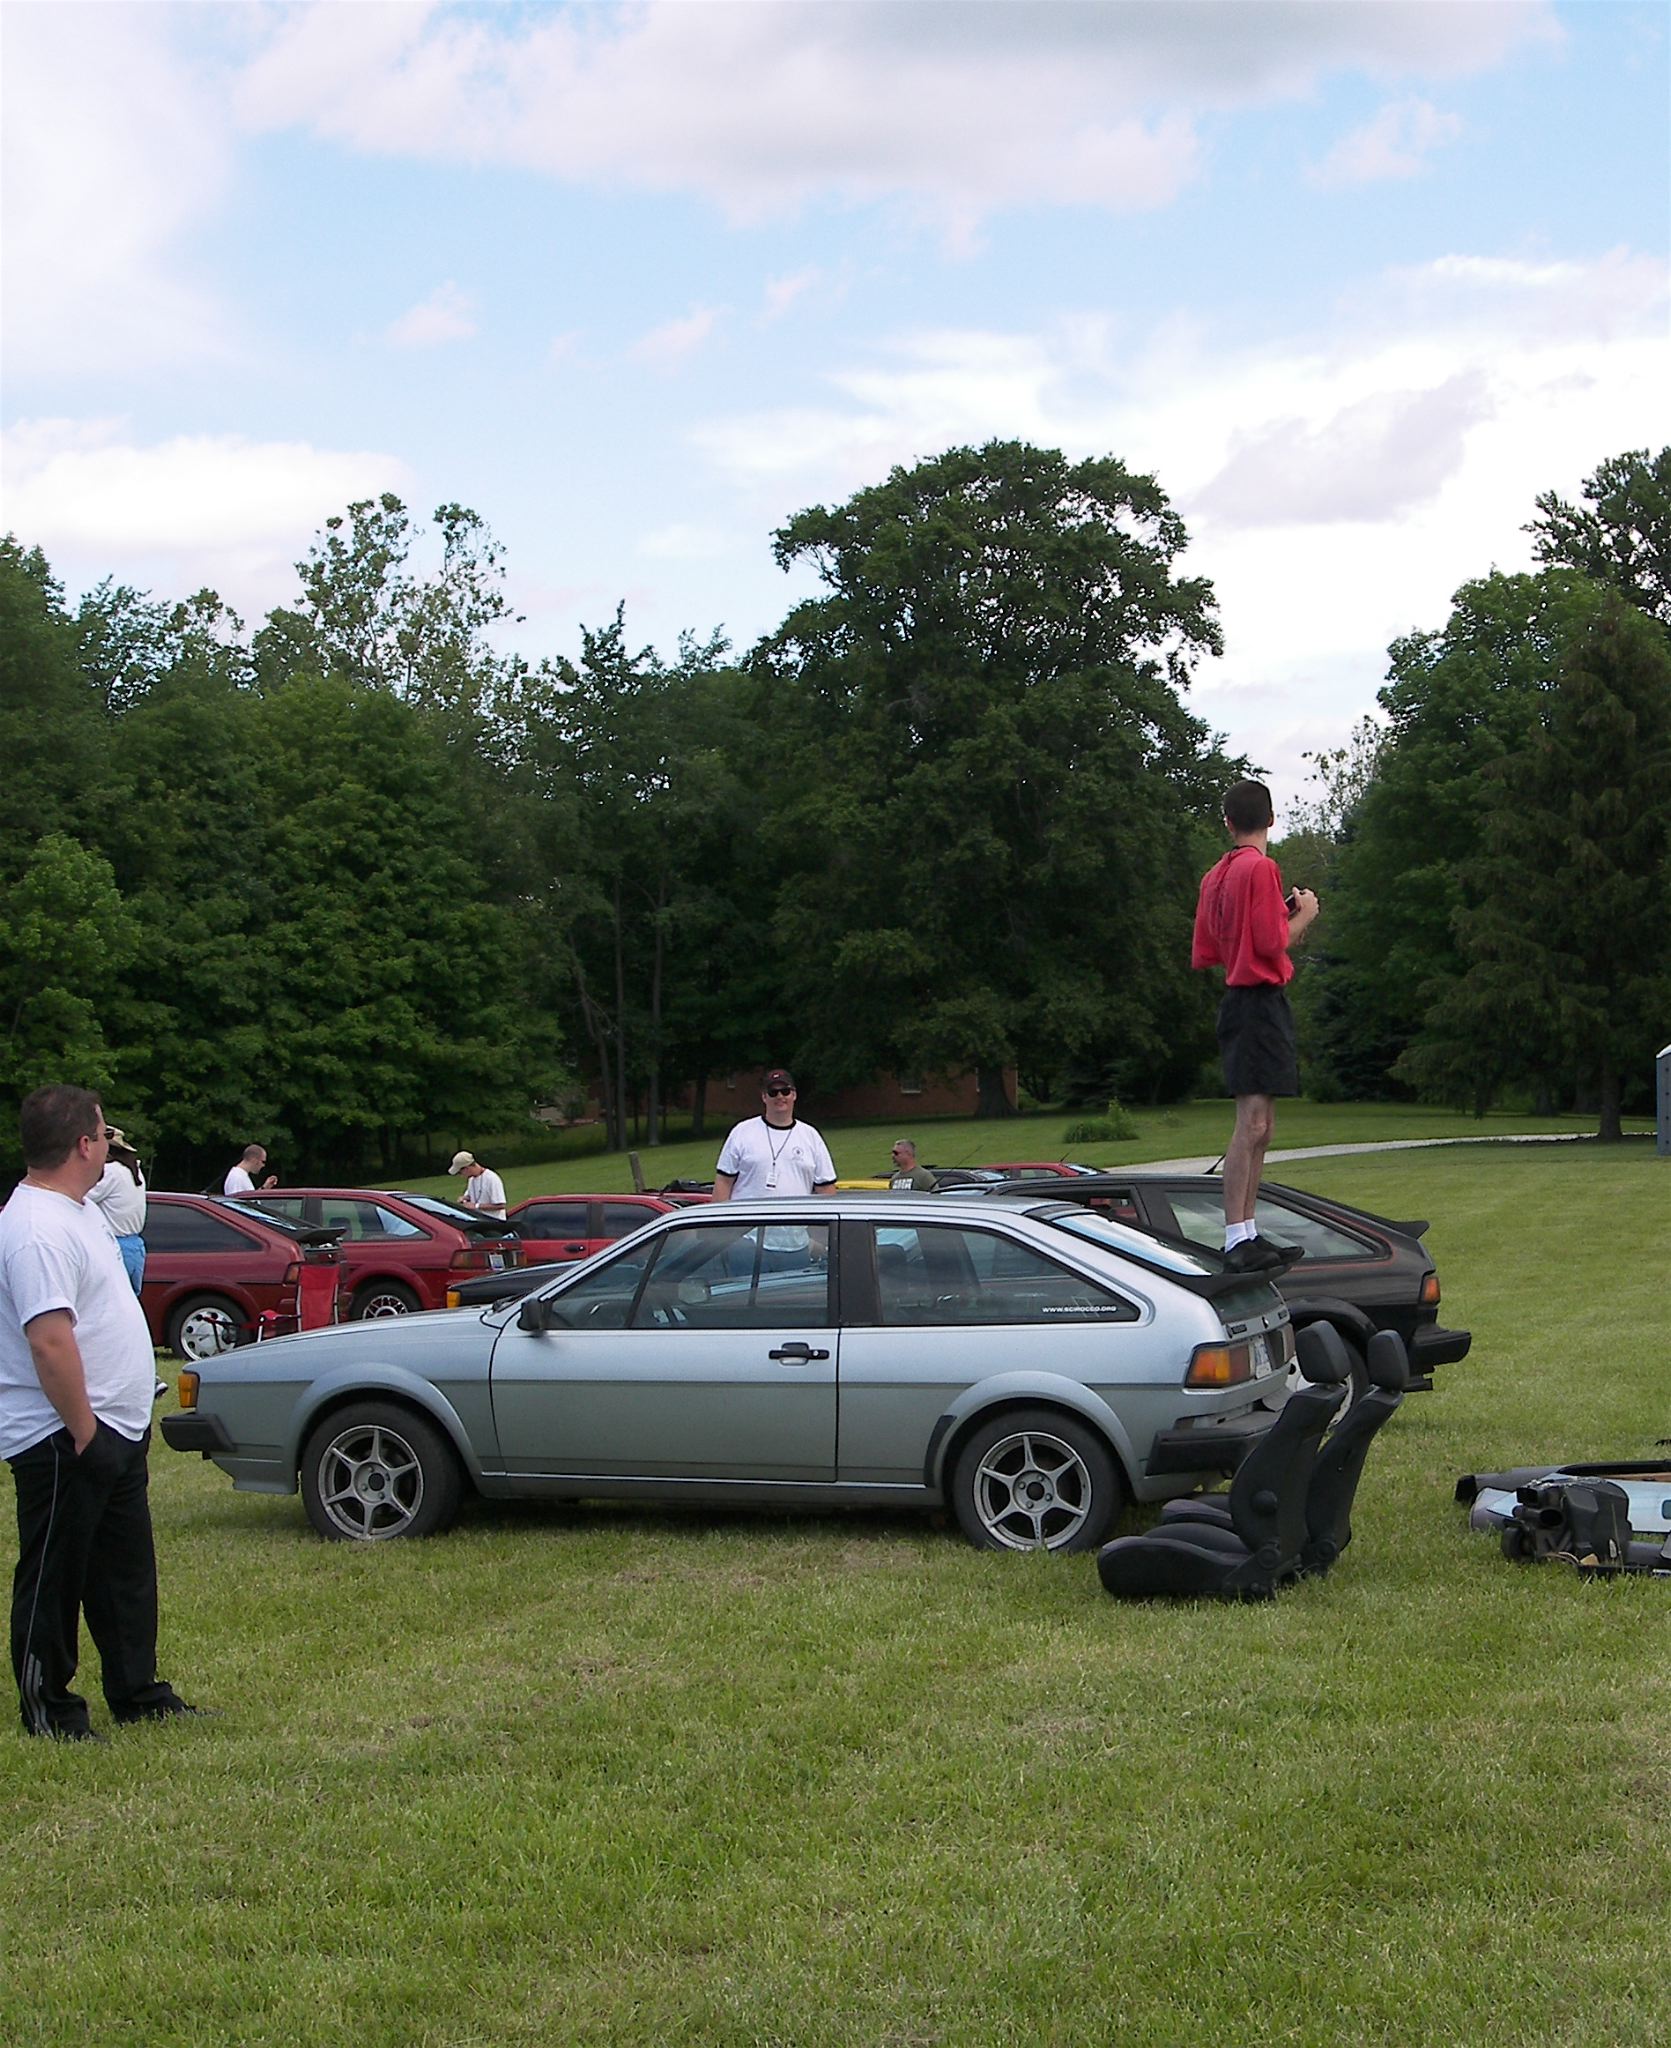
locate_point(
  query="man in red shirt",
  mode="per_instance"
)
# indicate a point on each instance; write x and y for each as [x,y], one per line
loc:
[1245,924]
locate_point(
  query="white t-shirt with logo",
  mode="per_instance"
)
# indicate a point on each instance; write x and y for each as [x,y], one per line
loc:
[58,1253]
[768,1161]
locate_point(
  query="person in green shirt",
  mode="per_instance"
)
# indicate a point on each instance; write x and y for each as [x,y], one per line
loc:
[907,1174]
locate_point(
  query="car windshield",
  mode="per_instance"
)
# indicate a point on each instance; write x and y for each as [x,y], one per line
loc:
[1121,1237]
[461,1219]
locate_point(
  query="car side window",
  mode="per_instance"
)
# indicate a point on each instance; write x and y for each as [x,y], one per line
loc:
[388,1224]
[621,1217]
[360,1222]
[941,1273]
[554,1219]
[727,1276]
[602,1297]
[168,1229]
[1200,1215]
[293,1206]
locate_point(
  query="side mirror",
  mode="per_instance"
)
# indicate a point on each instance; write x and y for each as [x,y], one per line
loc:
[531,1315]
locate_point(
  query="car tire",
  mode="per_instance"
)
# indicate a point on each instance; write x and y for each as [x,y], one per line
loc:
[373,1472]
[203,1326]
[379,1298]
[1036,1479]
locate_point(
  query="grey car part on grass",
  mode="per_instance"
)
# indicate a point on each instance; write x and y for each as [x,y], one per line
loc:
[1032,1366]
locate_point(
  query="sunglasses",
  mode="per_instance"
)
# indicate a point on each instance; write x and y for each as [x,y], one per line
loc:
[780,1091]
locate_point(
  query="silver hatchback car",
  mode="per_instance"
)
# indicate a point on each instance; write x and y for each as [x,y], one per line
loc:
[1033,1366]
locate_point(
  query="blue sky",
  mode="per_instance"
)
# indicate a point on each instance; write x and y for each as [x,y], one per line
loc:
[1355,278]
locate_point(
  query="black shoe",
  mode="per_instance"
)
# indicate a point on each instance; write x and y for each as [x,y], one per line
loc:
[169,1709]
[1260,1255]
[77,1731]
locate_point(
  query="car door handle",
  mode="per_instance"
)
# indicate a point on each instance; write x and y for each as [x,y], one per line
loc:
[797,1354]
[574,1248]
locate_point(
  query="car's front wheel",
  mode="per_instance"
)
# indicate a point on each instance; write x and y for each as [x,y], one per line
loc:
[375,1471]
[203,1327]
[1035,1479]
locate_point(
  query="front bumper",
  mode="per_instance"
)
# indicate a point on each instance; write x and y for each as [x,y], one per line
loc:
[189,1432]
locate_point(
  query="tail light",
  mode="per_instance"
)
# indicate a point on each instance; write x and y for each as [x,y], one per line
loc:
[1219,1365]
[186,1388]
[1430,1290]
[293,1273]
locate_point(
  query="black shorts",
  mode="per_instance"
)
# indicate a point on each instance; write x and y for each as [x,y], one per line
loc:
[1256,1040]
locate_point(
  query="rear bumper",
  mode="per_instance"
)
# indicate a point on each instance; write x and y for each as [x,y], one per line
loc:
[1433,1346]
[188,1432]
[1219,1448]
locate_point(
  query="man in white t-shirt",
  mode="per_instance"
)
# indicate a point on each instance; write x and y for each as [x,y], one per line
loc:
[773,1154]
[76,1378]
[242,1178]
[483,1189]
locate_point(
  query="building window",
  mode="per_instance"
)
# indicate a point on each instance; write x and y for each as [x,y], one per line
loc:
[910,1084]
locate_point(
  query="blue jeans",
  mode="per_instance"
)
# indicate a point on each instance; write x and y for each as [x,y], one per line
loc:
[133,1257]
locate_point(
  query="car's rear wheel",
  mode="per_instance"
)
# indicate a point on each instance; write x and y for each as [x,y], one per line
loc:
[374,1471]
[203,1327]
[378,1298]
[1035,1479]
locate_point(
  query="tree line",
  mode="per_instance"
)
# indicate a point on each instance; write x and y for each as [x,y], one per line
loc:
[357,875]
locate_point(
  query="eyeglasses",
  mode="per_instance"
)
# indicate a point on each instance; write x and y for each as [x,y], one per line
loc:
[780,1091]
[107,1132]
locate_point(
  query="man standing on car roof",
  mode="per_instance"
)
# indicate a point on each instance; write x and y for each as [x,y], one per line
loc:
[76,1377]
[1245,924]
[772,1154]
[483,1189]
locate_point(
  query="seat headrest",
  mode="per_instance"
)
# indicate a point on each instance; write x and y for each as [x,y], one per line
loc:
[1388,1361]
[1323,1356]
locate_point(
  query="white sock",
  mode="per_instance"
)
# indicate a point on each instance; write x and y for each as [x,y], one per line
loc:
[1238,1233]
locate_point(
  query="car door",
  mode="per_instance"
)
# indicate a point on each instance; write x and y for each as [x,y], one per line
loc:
[956,1304]
[709,1352]
[555,1231]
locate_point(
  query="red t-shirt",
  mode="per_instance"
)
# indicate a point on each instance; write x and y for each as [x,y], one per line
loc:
[1241,921]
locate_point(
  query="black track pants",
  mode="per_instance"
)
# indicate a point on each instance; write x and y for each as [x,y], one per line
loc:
[84,1547]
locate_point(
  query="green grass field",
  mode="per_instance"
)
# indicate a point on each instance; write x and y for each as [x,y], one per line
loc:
[591,1775]
[1182,1131]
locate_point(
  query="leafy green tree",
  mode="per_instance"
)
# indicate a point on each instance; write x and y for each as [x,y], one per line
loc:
[989,799]
[1563,936]
[1621,536]
[64,939]
[1458,700]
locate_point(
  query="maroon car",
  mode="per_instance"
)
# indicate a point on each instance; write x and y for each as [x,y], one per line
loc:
[563,1228]
[217,1274]
[400,1250]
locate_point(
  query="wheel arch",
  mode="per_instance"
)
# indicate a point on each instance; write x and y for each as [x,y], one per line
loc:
[994,1398]
[399,1390]
[1345,1316]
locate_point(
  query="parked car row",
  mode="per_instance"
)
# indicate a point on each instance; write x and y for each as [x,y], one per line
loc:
[219,1272]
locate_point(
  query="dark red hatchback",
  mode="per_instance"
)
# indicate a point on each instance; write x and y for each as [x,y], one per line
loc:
[217,1274]
[400,1250]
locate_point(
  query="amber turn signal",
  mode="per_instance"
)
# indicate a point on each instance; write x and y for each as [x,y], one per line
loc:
[186,1388]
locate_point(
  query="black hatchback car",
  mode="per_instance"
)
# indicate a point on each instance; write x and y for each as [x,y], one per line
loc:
[1359,1271]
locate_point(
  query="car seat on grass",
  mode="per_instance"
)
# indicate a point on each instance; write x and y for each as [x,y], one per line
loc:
[1254,1542]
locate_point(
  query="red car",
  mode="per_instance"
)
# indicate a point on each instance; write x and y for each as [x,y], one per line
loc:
[563,1228]
[216,1274]
[399,1250]
[1021,1169]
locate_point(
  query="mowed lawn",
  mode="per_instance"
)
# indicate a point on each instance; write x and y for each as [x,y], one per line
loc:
[586,1775]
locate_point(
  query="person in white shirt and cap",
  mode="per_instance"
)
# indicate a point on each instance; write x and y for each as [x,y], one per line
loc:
[483,1189]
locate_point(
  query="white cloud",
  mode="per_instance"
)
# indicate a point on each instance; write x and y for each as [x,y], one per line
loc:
[684,542]
[665,347]
[960,107]
[114,151]
[215,508]
[1395,144]
[782,292]
[448,314]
